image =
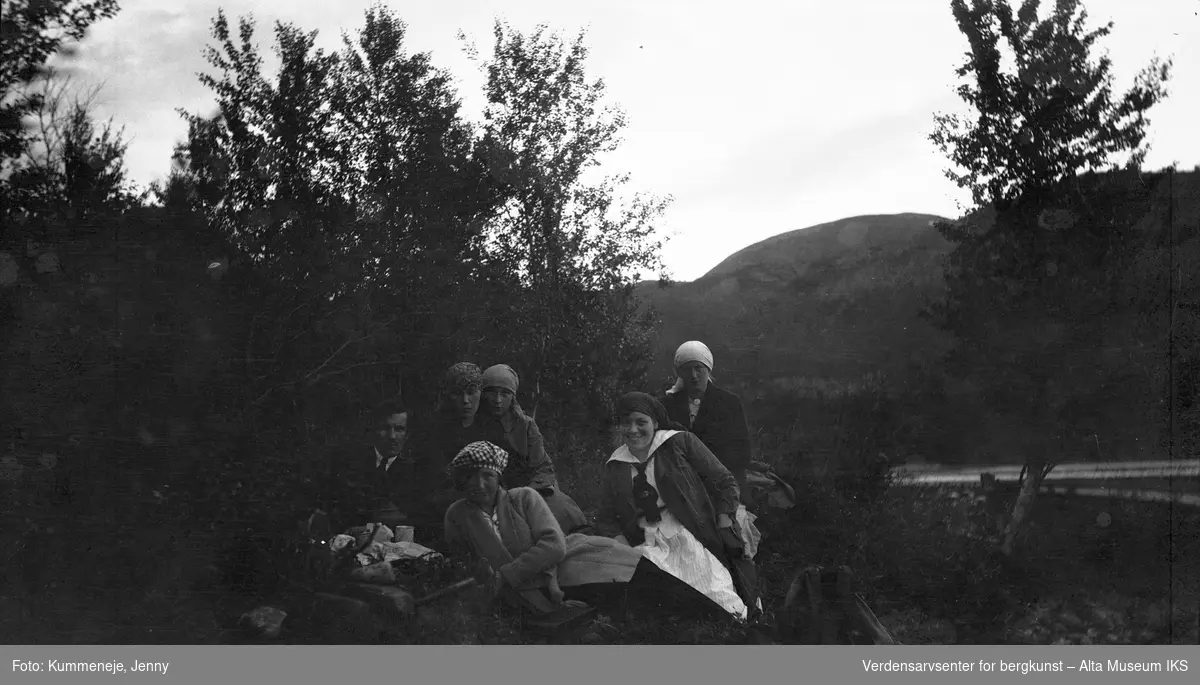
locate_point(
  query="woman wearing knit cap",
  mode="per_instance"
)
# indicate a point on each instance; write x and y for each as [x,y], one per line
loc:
[713,414]
[505,423]
[517,547]
[666,494]
[456,425]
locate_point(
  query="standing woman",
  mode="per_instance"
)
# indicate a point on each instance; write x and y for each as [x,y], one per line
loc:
[667,495]
[714,415]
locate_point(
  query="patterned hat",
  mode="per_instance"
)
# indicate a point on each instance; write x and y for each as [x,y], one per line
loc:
[463,375]
[480,455]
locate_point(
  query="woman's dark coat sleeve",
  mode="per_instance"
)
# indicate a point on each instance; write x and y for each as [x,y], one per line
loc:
[540,469]
[738,436]
[722,486]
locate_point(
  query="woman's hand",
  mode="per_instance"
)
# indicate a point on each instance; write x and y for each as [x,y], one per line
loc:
[484,574]
[723,521]
[490,580]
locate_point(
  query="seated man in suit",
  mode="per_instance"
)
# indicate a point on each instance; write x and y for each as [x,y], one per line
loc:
[395,483]
[395,469]
[370,486]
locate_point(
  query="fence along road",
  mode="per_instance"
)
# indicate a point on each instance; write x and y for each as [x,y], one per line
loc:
[1175,481]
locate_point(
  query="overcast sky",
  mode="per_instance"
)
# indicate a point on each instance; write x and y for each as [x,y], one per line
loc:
[758,117]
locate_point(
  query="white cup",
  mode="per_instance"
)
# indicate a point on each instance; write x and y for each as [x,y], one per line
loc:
[403,534]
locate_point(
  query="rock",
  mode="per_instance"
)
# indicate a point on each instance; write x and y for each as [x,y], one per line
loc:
[591,638]
[344,619]
[265,621]
[47,263]
[392,602]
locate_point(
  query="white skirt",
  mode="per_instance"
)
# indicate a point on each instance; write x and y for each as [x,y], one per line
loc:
[672,547]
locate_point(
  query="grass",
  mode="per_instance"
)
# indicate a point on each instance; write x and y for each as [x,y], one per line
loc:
[924,559]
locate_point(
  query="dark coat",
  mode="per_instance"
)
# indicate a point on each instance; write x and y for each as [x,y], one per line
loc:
[720,424]
[517,433]
[691,481]
[356,487]
[528,464]
[446,439]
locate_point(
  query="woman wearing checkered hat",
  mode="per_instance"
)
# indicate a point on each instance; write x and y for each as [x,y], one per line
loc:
[513,537]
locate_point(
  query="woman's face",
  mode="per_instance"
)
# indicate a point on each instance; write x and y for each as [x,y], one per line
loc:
[638,431]
[465,401]
[695,376]
[480,486]
[498,400]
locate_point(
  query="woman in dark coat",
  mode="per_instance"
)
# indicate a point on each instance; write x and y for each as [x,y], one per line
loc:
[506,424]
[714,415]
[453,428]
[666,494]
[456,424]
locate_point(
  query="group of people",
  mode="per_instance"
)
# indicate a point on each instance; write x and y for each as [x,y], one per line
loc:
[672,525]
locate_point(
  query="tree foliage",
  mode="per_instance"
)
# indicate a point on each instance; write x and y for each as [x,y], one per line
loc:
[30,33]
[1030,283]
[60,168]
[573,250]
[357,193]
[1029,256]
[1048,115]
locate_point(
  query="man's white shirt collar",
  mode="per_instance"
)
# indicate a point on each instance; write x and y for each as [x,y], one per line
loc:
[379,459]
